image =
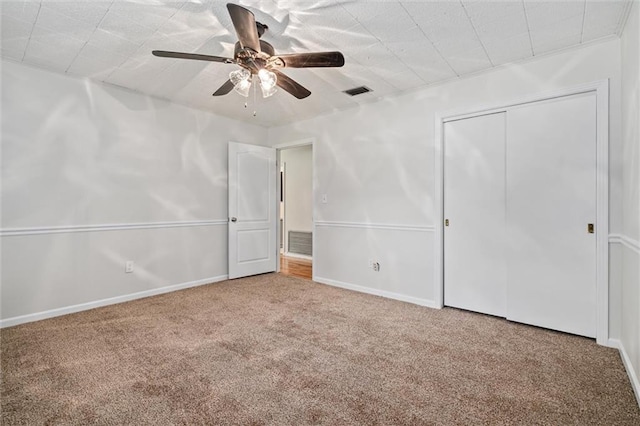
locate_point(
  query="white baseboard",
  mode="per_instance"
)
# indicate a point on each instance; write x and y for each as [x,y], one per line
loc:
[297,255]
[613,343]
[388,294]
[9,322]
[633,375]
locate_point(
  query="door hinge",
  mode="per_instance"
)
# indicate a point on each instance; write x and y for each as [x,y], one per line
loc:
[446,222]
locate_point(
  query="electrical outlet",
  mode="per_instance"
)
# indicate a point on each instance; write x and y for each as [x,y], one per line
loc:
[128,266]
[376,267]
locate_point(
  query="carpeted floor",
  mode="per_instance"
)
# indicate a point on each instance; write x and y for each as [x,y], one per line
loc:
[285,351]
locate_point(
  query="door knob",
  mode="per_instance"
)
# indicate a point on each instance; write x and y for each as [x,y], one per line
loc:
[234,219]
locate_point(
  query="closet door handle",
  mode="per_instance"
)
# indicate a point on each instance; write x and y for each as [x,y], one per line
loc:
[590,228]
[233,219]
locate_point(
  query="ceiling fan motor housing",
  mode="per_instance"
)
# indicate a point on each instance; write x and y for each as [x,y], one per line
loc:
[245,57]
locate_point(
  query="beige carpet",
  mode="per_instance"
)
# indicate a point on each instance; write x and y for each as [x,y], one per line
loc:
[284,351]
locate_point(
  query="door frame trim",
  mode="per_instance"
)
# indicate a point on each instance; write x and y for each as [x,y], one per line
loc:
[279,148]
[601,89]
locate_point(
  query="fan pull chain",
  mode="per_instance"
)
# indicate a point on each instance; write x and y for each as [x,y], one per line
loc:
[254,100]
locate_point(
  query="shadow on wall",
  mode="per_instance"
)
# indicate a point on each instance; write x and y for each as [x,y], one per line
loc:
[98,155]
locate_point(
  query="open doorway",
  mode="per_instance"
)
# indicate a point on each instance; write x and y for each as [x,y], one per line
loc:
[296,210]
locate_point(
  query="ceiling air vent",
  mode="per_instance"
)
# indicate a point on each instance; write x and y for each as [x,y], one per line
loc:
[358,91]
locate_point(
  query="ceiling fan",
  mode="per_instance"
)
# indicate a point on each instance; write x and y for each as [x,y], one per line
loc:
[257,57]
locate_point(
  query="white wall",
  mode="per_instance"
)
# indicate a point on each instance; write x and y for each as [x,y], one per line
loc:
[630,232]
[298,188]
[79,154]
[376,165]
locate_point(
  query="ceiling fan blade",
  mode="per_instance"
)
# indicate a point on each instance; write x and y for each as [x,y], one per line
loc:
[245,24]
[180,55]
[291,86]
[224,89]
[308,60]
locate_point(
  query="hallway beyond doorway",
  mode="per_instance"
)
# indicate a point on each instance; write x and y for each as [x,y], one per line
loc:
[296,267]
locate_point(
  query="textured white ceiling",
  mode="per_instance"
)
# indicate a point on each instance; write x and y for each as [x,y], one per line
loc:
[389,46]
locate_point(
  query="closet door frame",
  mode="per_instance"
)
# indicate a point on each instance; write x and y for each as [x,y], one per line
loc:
[601,89]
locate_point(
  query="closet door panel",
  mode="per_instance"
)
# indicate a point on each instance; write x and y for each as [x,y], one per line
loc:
[550,200]
[474,191]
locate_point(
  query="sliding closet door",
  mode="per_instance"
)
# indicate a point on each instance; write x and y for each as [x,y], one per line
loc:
[551,200]
[474,169]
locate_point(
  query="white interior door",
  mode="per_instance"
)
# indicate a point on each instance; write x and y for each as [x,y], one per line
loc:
[474,170]
[551,199]
[252,210]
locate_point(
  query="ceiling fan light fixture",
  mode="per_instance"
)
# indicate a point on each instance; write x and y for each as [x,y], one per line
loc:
[251,53]
[268,82]
[241,80]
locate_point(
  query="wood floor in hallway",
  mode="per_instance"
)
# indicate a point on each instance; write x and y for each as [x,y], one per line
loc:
[301,268]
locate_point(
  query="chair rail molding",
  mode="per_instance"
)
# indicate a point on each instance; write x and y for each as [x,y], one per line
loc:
[11,232]
[370,225]
[626,241]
